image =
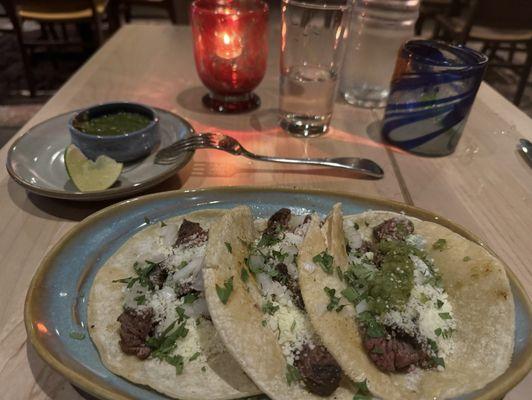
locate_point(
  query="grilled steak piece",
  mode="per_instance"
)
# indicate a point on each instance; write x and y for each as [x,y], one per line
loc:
[373,248]
[319,370]
[396,353]
[189,232]
[284,278]
[278,221]
[393,229]
[158,276]
[135,328]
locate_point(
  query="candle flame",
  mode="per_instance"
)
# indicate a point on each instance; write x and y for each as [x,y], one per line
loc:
[226,39]
[229,45]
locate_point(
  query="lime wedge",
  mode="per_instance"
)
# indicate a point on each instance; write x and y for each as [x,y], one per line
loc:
[90,175]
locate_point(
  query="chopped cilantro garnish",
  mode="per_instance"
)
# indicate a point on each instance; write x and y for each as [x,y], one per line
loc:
[325,261]
[334,301]
[351,295]
[292,374]
[433,346]
[363,392]
[355,225]
[182,264]
[358,273]
[165,343]
[268,240]
[269,308]
[272,272]
[293,326]
[466,259]
[445,315]
[140,299]
[340,274]
[444,333]
[130,281]
[423,298]
[203,369]
[225,292]
[194,356]
[438,361]
[244,275]
[440,244]
[162,224]
[439,303]
[263,322]
[279,256]
[373,328]
[143,276]
[435,280]
[77,335]
[177,362]
[229,248]
[447,333]
[190,297]
[181,316]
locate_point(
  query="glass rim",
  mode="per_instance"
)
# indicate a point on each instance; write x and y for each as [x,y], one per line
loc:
[323,5]
[476,59]
[214,7]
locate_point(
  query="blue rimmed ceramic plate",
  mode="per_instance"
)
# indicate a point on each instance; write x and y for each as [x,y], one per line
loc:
[35,161]
[56,301]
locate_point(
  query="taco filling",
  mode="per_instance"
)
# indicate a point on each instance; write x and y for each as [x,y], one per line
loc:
[164,310]
[272,261]
[403,313]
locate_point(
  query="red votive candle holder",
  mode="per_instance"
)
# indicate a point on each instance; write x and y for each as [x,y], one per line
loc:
[230,50]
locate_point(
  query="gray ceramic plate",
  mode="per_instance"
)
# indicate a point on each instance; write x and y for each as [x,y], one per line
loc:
[56,301]
[36,162]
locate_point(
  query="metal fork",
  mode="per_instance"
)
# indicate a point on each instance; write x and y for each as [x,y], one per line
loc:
[170,154]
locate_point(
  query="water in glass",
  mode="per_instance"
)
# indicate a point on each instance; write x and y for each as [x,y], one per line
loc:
[311,51]
[378,29]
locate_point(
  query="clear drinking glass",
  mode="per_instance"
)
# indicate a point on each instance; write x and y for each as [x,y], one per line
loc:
[378,29]
[312,37]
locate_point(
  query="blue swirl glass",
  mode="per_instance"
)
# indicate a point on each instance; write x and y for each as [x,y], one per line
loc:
[432,90]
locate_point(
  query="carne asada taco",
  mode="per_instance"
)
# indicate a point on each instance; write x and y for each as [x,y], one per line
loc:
[149,320]
[410,306]
[252,291]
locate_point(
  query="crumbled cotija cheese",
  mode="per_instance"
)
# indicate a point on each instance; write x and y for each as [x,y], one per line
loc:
[164,302]
[281,323]
[353,236]
[290,324]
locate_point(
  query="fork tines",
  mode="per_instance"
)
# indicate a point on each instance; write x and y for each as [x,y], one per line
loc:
[182,145]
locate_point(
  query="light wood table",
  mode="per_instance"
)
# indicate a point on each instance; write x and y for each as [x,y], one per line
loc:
[484,185]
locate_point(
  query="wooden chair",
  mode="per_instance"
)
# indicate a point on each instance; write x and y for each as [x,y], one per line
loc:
[167,5]
[10,11]
[63,12]
[429,9]
[50,13]
[499,26]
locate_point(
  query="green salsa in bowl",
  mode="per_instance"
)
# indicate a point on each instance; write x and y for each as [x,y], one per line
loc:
[123,131]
